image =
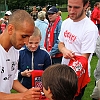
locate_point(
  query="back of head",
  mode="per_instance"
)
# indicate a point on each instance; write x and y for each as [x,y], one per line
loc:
[96,4]
[62,81]
[19,17]
[41,15]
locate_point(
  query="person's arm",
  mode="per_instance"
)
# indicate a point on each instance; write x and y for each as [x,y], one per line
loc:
[31,94]
[18,86]
[86,55]
[68,54]
[98,47]
[55,49]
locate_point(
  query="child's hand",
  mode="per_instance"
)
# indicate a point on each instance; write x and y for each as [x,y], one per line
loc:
[26,73]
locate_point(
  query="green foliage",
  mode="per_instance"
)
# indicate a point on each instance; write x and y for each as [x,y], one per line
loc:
[64,15]
[22,4]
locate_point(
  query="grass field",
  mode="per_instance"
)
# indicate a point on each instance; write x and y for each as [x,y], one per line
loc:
[90,86]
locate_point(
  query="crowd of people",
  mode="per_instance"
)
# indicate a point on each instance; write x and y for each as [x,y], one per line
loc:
[4,21]
[41,41]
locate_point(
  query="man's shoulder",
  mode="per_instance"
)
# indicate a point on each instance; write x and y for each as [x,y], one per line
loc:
[90,23]
[68,20]
[24,51]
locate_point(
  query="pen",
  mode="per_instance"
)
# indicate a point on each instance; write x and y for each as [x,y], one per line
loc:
[28,68]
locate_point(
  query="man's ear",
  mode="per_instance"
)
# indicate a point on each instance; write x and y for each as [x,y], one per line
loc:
[10,29]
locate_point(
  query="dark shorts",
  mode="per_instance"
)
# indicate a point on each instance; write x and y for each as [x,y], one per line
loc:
[79,97]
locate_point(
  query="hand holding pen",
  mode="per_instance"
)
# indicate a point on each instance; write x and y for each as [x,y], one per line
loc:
[27,72]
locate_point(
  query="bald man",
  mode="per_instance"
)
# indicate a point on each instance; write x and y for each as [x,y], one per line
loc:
[20,27]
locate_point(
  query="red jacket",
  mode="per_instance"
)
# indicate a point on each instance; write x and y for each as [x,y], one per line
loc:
[95,16]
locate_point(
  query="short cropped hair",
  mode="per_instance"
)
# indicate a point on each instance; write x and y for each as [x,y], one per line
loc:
[18,17]
[36,32]
[62,81]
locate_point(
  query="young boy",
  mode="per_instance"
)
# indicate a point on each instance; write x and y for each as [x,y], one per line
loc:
[32,58]
[59,82]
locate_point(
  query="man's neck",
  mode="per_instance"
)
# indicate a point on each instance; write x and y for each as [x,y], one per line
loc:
[4,43]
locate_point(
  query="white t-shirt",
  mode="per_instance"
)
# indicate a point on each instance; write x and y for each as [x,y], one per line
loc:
[8,68]
[80,37]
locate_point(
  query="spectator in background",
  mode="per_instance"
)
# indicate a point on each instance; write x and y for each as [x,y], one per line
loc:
[6,17]
[59,13]
[88,12]
[34,13]
[52,33]
[1,21]
[5,21]
[32,58]
[95,16]
[42,25]
[45,19]
[45,9]
[59,82]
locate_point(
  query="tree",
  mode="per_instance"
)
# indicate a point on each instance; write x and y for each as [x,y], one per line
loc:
[23,4]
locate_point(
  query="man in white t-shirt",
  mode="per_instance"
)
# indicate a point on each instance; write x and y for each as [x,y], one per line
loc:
[20,27]
[78,34]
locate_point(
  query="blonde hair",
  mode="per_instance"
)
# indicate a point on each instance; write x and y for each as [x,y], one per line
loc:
[44,9]
[59,13]
[36,32]
[42,15]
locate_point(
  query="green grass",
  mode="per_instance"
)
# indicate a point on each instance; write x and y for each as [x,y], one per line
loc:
[91,85]
[13,91]
[64,15]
